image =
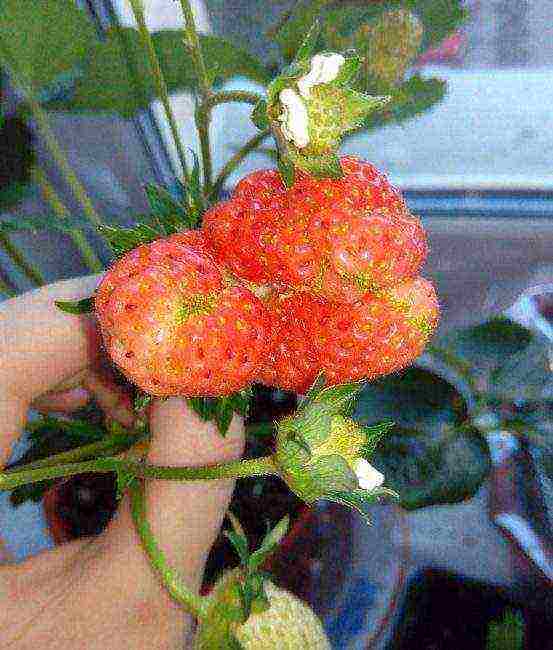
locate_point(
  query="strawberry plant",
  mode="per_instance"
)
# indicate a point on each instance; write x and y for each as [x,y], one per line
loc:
[307,279]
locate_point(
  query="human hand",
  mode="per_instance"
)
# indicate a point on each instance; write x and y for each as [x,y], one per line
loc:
[101,592]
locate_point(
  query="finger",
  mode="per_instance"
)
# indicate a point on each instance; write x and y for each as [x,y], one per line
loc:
[62,402]
[185,517]
[114,400]
[40,346]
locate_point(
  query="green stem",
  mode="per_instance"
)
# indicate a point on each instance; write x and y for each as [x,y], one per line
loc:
[49,193]
[171,579]
[161,84]
[108,446]
[203,111]
[27,268]
[234,469]
[227,96]
[233,162]
[195,48]
[50,139]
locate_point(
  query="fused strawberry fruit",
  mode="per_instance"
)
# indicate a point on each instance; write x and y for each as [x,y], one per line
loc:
[378,335]
[336,237]
[176,324]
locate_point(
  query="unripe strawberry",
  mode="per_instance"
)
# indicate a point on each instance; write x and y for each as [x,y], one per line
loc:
[176,324]
[287,624]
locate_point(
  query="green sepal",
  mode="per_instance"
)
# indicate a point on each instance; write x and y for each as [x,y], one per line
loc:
[259,115]
[141,401]
[123,240]
[221,409]
[269,544]
[287,171]
[325,166]
[360,500]
[374,434]
[83,306]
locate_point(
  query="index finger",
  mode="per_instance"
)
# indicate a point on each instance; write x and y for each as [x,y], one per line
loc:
[39,347]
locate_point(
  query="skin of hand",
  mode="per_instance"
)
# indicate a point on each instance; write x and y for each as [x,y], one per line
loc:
[101,592]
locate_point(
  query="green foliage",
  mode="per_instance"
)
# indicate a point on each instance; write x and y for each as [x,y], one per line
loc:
[83,306]
[340,20]
[48,436]
[46,37]
[117,78]
[221,409]
[487,348]
[411,98]
[430,456]
[251,589]
[167,216]
[348,25]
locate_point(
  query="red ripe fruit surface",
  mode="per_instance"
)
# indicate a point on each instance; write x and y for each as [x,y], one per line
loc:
[176,325]
[378,335]
[336,237]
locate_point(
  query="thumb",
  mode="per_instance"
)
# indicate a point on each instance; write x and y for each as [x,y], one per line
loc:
[185,517]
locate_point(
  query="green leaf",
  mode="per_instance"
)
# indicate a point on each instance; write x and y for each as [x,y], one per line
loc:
[425,471]
[83,306]
[47,38]
[123,240]
[525,375]
[291,35]
[117,77]
[484,348]
[309,45]
[440,18]
[430,456]
[269,544]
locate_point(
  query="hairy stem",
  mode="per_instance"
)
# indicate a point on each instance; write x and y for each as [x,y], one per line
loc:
[233,162]
[111,445]
[171,579]
[234,469]
[49,138]
[203,110]
[29,269]
[138,10]
[227,96]
[50,196]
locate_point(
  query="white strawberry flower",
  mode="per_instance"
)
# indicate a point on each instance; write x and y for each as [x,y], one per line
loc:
[324,69]
[294,118]
[369,478]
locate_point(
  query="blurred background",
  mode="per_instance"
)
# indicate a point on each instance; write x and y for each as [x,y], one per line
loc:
[466,561]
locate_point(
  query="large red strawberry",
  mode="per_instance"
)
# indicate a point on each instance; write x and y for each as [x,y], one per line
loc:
[377,335]
[337,237]
[177,324]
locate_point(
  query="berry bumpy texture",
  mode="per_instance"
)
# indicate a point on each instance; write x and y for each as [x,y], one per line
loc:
[338,238]
[177,324]
[378,335]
